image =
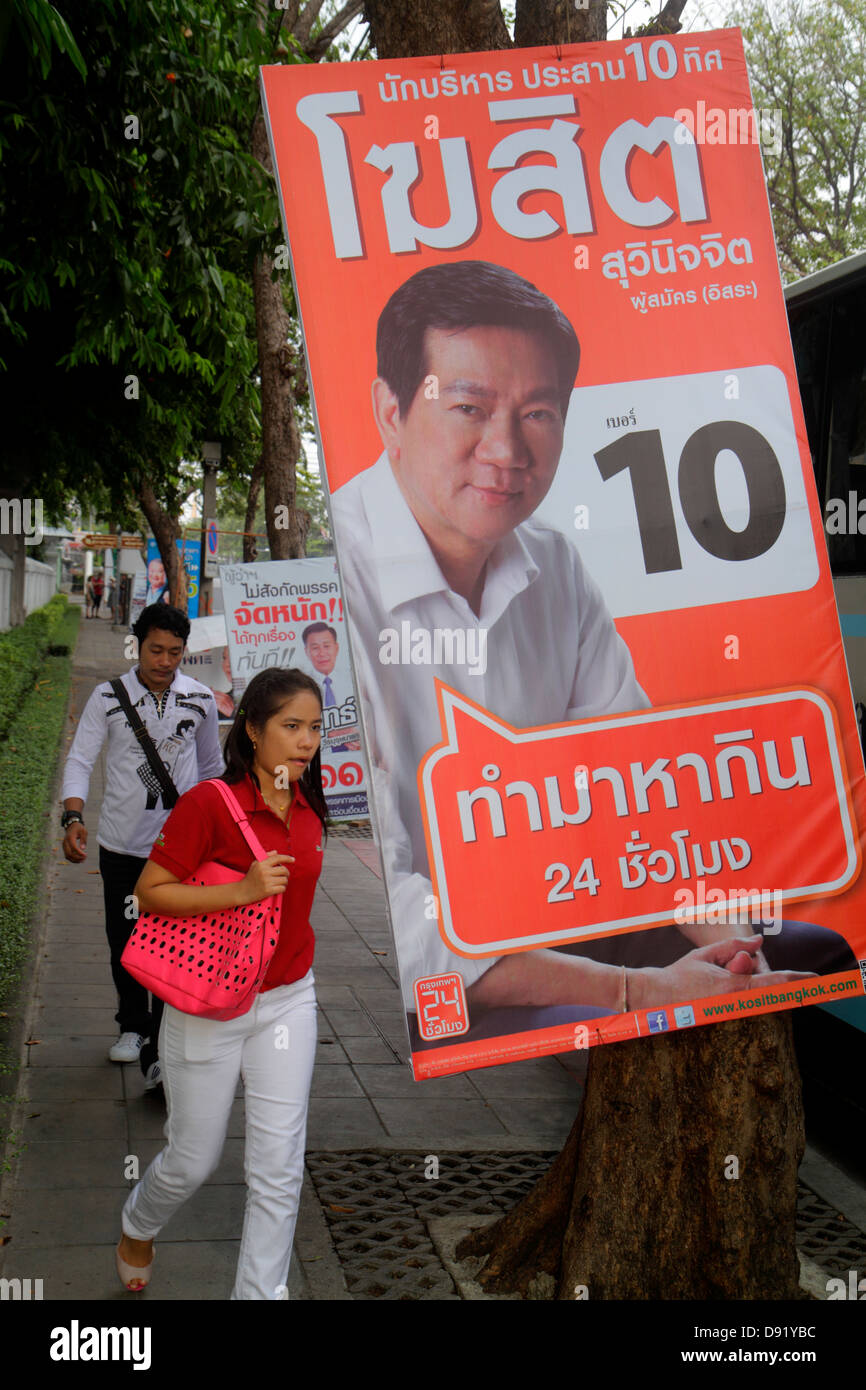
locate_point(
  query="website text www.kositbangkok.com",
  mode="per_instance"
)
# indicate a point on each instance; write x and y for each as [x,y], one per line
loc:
[743,1003]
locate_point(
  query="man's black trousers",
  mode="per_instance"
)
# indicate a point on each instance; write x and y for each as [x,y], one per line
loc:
[138,1012]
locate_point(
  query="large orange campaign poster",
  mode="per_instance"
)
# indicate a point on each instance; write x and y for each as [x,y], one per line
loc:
[616,773]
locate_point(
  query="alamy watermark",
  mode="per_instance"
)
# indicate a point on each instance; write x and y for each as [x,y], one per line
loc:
[739,907]
[22,516]
[741,125]
[436,646]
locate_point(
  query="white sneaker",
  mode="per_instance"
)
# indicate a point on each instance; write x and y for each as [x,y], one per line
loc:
[127,1048]
[153,1077]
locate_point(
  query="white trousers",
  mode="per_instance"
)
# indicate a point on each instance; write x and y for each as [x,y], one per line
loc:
[273,1048]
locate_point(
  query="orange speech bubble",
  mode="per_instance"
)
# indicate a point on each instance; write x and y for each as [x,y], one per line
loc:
[539,837]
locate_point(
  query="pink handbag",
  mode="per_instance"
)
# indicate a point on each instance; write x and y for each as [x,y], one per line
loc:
[211,964]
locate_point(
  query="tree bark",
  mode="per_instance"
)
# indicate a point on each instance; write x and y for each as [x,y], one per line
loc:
[250,544]
[405,29]
[281,439]
[677,1181]
[642,1202]
[167,532]
[541,22]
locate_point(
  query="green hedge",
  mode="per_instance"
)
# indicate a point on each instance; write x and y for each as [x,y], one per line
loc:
[28,764]
[22,649]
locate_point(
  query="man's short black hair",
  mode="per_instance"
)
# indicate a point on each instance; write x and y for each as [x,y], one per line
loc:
[462,295]
[317,627]
[164,617]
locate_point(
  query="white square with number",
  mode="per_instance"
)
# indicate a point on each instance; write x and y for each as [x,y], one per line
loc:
[684,491]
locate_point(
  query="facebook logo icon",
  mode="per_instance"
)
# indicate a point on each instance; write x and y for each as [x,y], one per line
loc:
[657,1021]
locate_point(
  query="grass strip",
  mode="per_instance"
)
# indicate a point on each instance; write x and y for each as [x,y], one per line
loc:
[28,765]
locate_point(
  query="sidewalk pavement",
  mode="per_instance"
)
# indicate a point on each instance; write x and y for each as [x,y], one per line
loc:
[87,1127]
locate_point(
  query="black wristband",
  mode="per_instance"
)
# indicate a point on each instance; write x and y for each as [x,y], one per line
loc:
[69,817]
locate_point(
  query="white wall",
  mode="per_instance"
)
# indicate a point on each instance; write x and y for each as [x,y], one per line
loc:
[40,583]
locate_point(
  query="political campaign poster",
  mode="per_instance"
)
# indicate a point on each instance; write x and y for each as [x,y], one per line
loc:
[290,613]
[151,585]
[206,659]
[616,776]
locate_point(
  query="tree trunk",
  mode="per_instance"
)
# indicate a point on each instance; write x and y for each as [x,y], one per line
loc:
[251,549]
[281,440]
[167,532]
[540,22]
[642,1202]
[405,29]
[678,1179]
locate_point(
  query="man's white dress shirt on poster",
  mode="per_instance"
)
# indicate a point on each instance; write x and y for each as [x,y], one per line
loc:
[186,736]
[552,654]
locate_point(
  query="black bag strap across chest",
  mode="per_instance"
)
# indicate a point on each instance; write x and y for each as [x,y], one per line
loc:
[160,772]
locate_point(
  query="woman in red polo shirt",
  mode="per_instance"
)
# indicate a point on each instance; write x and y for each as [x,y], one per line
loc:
[277,731]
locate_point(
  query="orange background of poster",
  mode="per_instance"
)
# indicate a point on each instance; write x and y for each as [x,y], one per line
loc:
[679,656]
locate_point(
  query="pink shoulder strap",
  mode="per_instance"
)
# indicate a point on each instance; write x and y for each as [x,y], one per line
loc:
[240,816]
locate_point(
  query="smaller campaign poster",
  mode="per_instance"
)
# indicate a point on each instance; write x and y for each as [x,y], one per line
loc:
[206,659]
[152,586]
[290,613]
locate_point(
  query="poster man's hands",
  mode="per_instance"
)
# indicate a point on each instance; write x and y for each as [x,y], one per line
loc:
[721,968]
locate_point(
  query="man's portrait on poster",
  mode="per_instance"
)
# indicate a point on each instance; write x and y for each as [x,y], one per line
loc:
[475,372]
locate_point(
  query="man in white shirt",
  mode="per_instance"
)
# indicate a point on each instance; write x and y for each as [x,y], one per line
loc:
[476,368]
[180,715]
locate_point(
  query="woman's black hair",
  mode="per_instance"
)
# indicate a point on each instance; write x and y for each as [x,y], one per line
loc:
[261,699]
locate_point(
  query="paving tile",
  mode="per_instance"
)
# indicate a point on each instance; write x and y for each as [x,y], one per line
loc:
[77,951]
[66,1216]
[340,996]
[443,1119]
[77,1022]
[184,1269]
[328,1053]
[64,1163]
[542,1119]
[335,1081]
[350,1023]
[72,1083]
[367,1050]
[73,972]
[71,1051]
[74,1119]
[77,995]
[336,1121]
[390,1082]
[532,1079]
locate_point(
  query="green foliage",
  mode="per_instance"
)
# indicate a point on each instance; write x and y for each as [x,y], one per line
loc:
[21,652]
[132,210]
[807,62]
[28,764]
[42,29]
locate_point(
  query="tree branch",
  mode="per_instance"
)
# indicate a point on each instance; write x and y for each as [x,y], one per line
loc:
[302,28]
[334,27]
[667,21]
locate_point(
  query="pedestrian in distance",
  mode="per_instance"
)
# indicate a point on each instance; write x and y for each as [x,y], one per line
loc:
[177,717]
[97,588]
[273,767]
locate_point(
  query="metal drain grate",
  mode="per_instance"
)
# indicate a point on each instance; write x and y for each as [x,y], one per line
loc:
[377,1206]
[826,1236]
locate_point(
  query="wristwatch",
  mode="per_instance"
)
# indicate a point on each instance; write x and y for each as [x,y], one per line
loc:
[69,817]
